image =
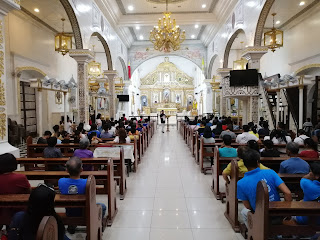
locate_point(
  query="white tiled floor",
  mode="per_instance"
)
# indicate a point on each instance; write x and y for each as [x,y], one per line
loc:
[168,198]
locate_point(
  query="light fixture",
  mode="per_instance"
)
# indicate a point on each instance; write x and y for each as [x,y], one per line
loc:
[278,22]
[274,38]
[130,8]
[196,26]
[63,42]
[36,10]
[94,68]
[193,36]
[138,27]
[168,35]
[204,6]
[141,37]
[302,3]
[241,63]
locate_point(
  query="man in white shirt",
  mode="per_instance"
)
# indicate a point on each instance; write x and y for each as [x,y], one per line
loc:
[244,137]
[301,137]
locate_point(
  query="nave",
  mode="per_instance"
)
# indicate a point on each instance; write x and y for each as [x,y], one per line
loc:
[168,198]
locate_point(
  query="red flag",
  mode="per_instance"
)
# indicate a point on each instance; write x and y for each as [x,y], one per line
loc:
[129,70]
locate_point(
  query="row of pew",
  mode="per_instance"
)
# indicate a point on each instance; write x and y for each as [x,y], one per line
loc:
[259,224]
[108,172]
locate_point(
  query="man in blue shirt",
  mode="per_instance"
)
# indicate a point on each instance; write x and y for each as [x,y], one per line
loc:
[247,186]
[294,164]
[227,150]
[74,185]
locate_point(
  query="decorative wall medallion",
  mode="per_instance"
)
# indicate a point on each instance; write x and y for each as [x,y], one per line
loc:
[58,97]
[2,109]
[3,125]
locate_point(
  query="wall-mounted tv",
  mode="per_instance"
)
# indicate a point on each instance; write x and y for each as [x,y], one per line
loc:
[240,78]
[123,98]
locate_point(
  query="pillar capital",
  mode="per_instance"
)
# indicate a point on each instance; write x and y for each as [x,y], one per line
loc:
[110,74]
[8,5]
[254,53]
[223,72]
[81,55]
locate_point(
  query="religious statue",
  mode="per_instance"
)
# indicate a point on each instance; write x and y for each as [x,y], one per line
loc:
[194,104]
[144,101]
[166,96]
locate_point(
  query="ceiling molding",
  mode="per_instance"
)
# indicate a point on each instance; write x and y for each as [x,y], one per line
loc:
[121,7]
[201,32]
[38,20]
[151,13]
[300,14]
[133,34]
[213,5]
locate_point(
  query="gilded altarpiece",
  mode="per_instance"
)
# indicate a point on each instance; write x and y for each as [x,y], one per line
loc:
[167,87]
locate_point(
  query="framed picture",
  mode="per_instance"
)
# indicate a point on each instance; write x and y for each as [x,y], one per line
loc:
[58,97]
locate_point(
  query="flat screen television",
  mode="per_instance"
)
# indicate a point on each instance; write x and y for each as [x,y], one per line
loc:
[123,98]
[240,78]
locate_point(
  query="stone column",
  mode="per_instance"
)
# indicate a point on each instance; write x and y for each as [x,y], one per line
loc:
[278,107]
[5,7]
[112,92]
[82,56]
[254,108]
[301,106]
[223,72]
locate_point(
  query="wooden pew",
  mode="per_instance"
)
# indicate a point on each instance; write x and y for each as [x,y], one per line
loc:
[106,178]
[92,212]
[118,166]
[259,226]
[197,147]
[203,153]
[48,229]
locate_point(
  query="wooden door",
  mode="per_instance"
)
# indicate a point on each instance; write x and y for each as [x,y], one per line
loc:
[28,108]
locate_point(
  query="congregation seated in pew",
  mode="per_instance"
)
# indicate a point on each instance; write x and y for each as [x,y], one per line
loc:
[294,164]
[84,152]
[301,137]
[244,137]
[51,151]
[75,185]
[246,187]
[229,132]
[24,224]
[311,149]
[44,138]
[269,150]
[106,133]
[121,137]
[226,150]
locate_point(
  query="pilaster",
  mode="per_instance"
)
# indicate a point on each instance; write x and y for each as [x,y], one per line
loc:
[223,72]
[111,74]
[5,7]
[83,57]
[253,56]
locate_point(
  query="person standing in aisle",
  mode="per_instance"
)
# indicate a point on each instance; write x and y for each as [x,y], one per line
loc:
[163,120]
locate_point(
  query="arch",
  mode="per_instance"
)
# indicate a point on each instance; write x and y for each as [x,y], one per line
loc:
[29,68]
[315,65]
[163,55]
[74,23]
[124,68]
[211,65]
[262,21]
[228,47]
[106,49]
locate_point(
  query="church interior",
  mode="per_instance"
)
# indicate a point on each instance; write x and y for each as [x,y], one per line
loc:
[137,96]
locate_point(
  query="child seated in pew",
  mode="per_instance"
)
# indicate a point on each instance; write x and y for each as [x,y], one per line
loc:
[94,138]
[10,182]
[312,149]
[294,164]
[310,185]
[269,150]
[75,185]
[226,150]
[242,168]
[247,186]
[24,225]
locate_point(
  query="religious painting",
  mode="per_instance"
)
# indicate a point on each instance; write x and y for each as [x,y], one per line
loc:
[144,101]
[58,97]
[101,103]
[166,95]
[178,98]
[155,98]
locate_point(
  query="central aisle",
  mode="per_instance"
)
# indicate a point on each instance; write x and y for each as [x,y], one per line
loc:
[168,198]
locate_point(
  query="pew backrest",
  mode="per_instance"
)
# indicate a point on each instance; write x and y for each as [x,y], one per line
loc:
[48,229]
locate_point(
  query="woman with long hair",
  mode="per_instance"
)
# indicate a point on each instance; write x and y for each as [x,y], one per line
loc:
[278,136]
[25,224]
[122,137]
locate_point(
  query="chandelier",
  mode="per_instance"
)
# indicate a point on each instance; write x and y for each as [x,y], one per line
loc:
[274,38]
[167,35]
[63,42]
[241,63]
[94,68]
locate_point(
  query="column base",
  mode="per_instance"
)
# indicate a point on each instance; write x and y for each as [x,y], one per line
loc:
[6,147]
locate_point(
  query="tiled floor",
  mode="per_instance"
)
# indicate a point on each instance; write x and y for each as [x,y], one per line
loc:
[168,198]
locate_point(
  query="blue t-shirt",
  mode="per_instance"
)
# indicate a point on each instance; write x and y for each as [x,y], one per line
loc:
[98,133]
[294,166]
[228,152]
[247,186]
[72,186]
[311,191]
